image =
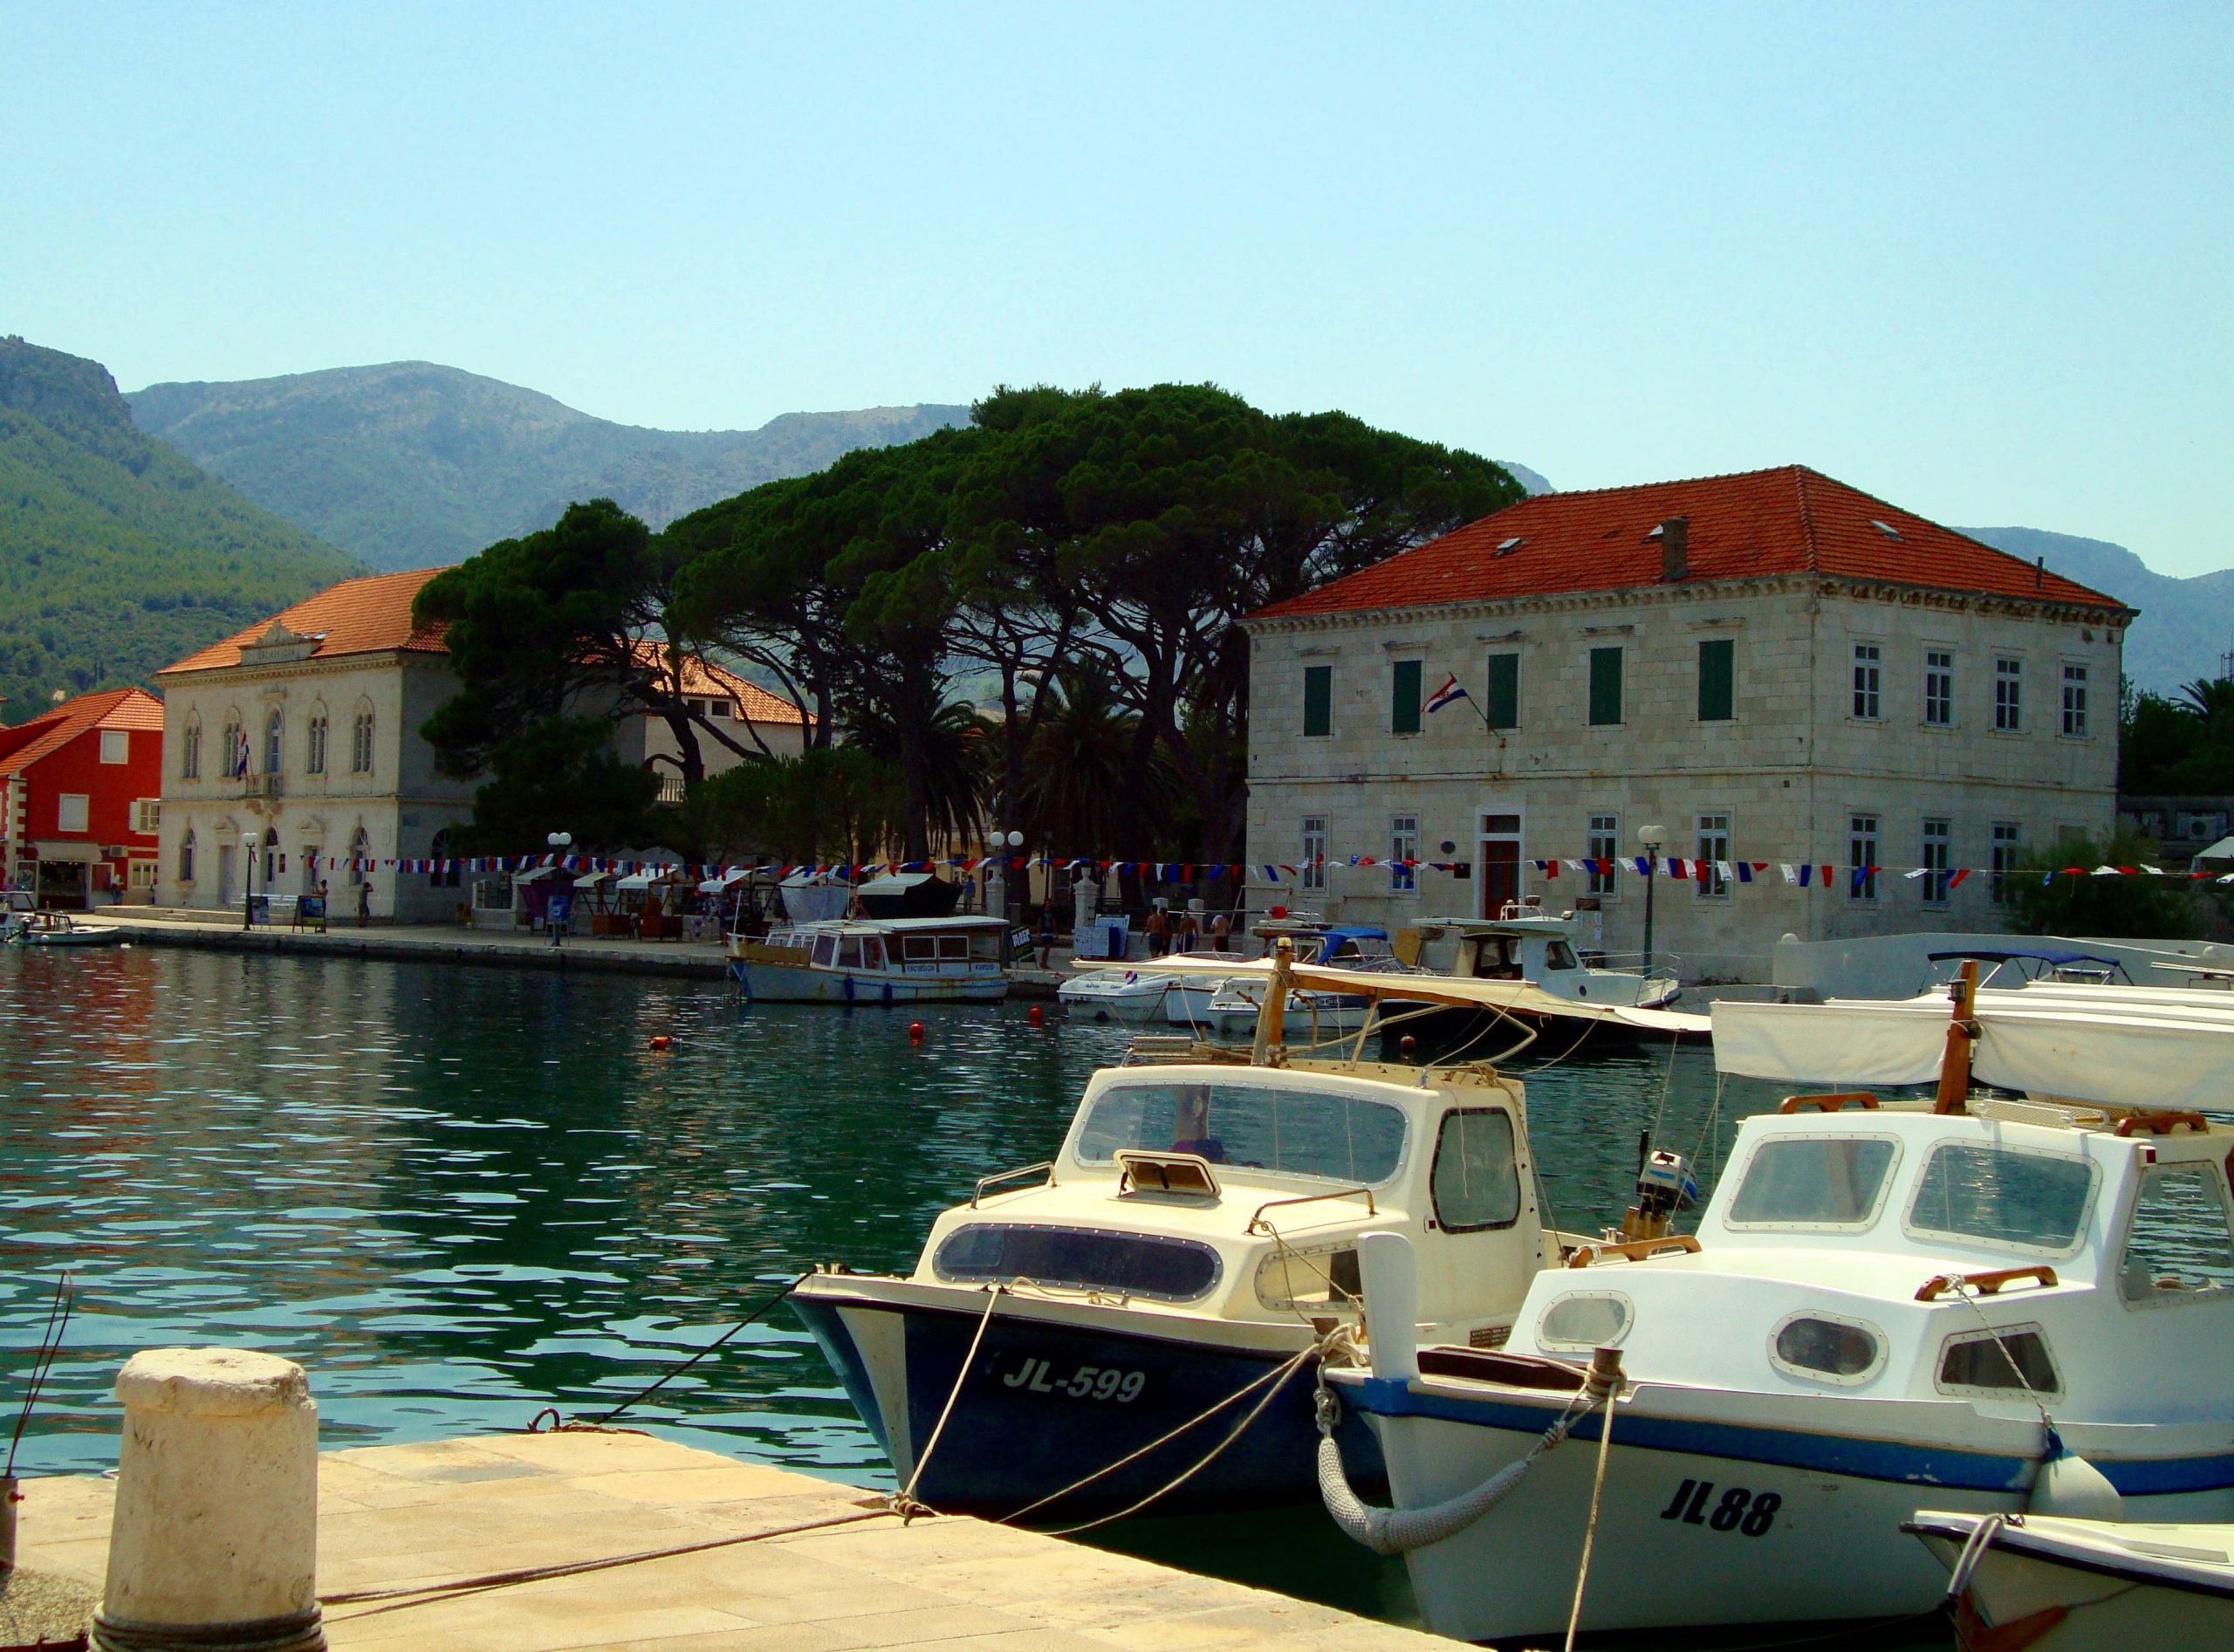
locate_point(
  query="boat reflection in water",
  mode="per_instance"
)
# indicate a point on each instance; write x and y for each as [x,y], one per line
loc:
[1139,1327]
[1970,1304]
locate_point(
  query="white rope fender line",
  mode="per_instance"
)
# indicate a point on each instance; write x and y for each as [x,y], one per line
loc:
[903,1501]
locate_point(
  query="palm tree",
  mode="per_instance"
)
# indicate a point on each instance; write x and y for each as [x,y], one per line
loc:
[2211,701]
[957,757]
[1083,793]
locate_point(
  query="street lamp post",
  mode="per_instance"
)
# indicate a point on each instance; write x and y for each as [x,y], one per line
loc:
[248,890]
[558,910]
[1651,837]
[1005,844]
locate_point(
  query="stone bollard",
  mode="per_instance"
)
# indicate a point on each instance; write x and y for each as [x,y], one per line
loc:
[213,1541]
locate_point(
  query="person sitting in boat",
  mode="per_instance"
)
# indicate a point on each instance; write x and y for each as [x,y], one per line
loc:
[1191,1126]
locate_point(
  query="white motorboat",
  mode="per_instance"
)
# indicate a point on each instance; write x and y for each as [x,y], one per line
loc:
[874,961]
[1187,1003]
[1234,1007]
[1525,944]
[2047,1585]
[60,930]
[1116,995]
[1969,1303]
[1137,1327]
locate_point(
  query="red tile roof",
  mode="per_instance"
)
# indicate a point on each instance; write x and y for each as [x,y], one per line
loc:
[371,615]
[1789,520]
[702,675]
[39,736]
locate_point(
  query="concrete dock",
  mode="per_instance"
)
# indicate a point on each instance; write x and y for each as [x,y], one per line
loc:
[415,1516]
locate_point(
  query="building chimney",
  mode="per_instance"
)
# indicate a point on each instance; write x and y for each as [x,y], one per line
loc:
[2039,572]
[1674,548]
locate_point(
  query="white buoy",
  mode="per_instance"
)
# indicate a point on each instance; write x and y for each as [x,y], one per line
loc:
[213,1542]
[2068,1485]
[1389,1278]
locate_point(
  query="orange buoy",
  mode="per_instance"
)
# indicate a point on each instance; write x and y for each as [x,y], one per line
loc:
[914,1032]
[661,1041]
[1408,1043]
[1035,1015]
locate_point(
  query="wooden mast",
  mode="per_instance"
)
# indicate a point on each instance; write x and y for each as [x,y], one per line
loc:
[1961,1032]
[1271,1015]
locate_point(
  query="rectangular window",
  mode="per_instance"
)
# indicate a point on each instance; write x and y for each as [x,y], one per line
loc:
[1868,681]
[1713,849]
[2004,857]
[1403,846]
[69,812]
[2074,700]
[1318,700]
[719,709]
[1861,857]
[1404,697]
[1938,840]
[1717,680]
[147,816]
[1313,868]
[1501,705]
[1601,841]
[1605,687]
[116,744]
[143,875]
[1939,687]
[2009,696]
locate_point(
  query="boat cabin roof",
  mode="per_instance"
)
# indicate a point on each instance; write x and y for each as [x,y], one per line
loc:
[889,926]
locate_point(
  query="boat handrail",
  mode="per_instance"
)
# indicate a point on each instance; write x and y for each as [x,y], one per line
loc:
[2161,1124]
[1635,1249]
[985,1182]
[1986,1283]
[1836,1101]
[1257,1224]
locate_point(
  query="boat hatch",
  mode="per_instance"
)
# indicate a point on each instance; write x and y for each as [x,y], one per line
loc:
[1137,1264]
[1296,1132]
[1139,1172]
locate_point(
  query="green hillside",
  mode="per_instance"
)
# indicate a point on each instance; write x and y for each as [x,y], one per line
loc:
[413,465]
[117,555]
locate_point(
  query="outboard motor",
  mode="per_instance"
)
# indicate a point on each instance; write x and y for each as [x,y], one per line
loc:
[1665,1185]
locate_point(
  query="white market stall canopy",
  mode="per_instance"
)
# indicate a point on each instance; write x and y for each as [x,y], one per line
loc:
[657,877]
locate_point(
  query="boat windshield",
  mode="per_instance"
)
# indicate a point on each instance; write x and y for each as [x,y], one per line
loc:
[1292,1132]
[1812,1182]
[2003,1196]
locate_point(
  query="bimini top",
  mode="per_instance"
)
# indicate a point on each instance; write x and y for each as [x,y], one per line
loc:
[2027,955]
[2146,1048]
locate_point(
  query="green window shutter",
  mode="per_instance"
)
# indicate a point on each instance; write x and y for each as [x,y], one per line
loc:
[1404,713]
[1318,699]
[1605,686]
[1502,704]
[1717,680]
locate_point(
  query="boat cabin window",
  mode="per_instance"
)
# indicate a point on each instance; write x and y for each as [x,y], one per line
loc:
[1999,1362]
[918,947]
[1813,1182]
[1326,1277]
[826,949]
[2009,1196]
[1827,1349]
[1559,956]
[849,952]
[1292,1131]
[1586,1320]
[872,954]
[1475,1182]
[1140,1265]
[954,946]
[2178,1249]
[1494,958]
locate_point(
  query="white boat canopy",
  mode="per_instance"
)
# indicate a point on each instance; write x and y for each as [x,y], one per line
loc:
[2116,1048]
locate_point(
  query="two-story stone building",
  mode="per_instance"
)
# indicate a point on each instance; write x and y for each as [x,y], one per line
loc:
[303,732]
[1771,667]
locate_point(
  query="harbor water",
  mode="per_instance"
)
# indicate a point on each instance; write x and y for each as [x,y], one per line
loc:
[461,1196]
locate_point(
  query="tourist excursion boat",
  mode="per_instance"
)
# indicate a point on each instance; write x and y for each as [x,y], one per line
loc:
[2042,1584]
[1969,1303]
[874,961]
[60,930]
[1136,1326]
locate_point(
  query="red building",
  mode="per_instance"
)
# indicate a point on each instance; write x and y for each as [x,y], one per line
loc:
[79,787]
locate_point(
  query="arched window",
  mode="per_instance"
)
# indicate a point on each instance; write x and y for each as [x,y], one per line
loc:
[185,853]
[189,751]
[314,743]
[275,730]
[360,742]
[443,877]
[360,856]
[232,762]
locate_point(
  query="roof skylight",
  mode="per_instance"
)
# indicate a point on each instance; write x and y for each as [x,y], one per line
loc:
[1885,528]
[1505,547]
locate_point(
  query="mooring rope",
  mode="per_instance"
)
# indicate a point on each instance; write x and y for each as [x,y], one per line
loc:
[903,1501]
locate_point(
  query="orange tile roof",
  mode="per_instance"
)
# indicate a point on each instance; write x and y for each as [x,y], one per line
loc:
[1789,520]
[47,733]
[702,675]
[370,615]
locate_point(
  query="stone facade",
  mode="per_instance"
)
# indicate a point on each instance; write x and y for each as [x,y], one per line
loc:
[1792,774]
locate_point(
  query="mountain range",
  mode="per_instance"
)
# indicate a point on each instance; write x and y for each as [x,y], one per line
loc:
[118,555]
[411,464]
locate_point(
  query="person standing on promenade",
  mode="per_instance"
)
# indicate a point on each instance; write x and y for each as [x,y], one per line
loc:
[1221,929]
[1046,929]
[364,903]
[1159,931]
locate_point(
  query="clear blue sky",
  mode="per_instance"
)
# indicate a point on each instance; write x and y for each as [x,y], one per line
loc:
[1975,258]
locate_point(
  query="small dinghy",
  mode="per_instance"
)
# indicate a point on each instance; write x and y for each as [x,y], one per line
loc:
[60,930]
[2050,1585]
[1116,995]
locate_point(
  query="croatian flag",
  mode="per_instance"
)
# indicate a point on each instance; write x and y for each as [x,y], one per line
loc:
[240,756]
[1445,695]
